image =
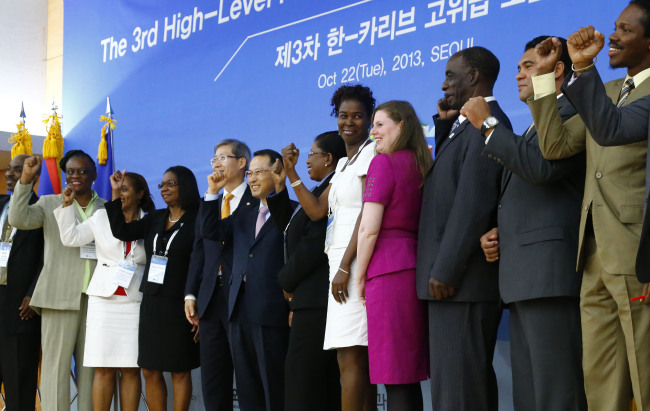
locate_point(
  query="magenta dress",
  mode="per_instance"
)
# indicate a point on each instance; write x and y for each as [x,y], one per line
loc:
[398,346]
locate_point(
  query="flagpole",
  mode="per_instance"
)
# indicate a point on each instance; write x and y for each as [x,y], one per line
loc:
[109,114]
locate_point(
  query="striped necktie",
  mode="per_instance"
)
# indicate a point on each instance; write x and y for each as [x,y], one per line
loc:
[454,127]
[625,92]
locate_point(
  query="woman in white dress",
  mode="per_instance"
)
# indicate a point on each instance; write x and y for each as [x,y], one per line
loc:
[113,295]
[347,326]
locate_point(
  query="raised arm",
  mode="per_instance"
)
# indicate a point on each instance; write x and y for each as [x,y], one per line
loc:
[122,230]
[22,215]
[315,207]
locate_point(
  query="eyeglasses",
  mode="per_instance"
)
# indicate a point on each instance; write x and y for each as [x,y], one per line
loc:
[311,153]
[168,184]
[79,171]
[222,159]
[255,173]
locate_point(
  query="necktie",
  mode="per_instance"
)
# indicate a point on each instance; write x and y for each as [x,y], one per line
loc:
[625,92]
[453,127]
[261,219]
[225,207]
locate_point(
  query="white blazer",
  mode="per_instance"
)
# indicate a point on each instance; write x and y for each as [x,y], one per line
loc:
[110,250]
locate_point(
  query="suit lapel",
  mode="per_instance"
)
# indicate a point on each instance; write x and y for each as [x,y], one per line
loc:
[449,141]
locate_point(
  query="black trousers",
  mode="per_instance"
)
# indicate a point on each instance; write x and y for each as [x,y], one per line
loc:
[462,337]
[19,356]
[312,379]
[216,359]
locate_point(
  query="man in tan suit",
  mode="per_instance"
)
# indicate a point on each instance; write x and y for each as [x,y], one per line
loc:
[60,290]
[615,331]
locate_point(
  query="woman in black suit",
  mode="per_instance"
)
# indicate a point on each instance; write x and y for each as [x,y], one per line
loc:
[166,339]
[312,380]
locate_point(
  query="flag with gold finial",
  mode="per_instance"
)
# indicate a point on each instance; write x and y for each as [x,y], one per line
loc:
[50,181]
[22,141]
[105,163]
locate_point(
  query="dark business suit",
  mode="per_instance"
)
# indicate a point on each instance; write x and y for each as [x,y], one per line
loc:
[311,373]
[211,290]
[20,340]
[257,310]
[459,204]
[539,217]
[611,126]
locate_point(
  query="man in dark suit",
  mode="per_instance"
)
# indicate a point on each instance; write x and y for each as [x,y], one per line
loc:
[20,327]
[206,290]
[459,204]
[257,310]
[537,237]
[615,331]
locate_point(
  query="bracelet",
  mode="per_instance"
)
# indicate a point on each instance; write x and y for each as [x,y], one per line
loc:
[575,70]
[347,272]
[296,183]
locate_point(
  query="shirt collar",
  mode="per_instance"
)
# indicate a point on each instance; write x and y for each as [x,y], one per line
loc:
[238,191]
[640,77]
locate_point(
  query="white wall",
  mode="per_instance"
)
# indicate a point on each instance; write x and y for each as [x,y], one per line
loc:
[23,41]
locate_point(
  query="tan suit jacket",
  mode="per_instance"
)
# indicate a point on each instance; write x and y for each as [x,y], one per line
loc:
[614,184]
[59,285]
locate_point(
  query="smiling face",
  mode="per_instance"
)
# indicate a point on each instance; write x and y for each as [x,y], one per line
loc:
[80,175]
[318,162]
[458,83]
[527,67]
[14,171]
[385,131]
[628,46]
[128,196]
[234,167]
[260,180]
[353,122]
[169,194]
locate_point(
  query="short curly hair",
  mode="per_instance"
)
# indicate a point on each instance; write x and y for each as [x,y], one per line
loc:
[360,93]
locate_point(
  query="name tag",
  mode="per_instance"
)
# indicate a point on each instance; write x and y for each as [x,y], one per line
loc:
[123,273]
[88,251]
[5,249]
[157,269]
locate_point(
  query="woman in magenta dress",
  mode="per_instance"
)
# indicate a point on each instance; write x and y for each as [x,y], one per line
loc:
[397,328]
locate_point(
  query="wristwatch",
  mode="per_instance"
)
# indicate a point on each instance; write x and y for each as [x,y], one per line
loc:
[488,123]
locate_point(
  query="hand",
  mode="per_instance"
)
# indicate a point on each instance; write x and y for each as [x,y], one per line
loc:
[549,52]
[584,45]
[490,245]
[440,290]
[476,109]
[30,169]
[290,318]
[25,311]
[217,181]
[361,287]
[191,313]
[340,286]
[278,175]
[445,112]
[287,296]
[117,178]
[68,196]
[290,156]
[646,290]
[196,337]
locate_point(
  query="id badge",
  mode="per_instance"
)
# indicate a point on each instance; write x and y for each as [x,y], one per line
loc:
[5,249]
[123,273]
[88,251]
[157,269]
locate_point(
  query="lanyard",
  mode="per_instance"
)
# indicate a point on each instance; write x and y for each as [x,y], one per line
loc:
[169,243]
[131,252]
[3,219]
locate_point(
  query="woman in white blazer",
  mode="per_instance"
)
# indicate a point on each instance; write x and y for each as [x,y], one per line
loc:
[113,293]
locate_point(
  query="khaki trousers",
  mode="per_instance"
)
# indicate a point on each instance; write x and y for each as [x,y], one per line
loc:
[64,333]
[615,337]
